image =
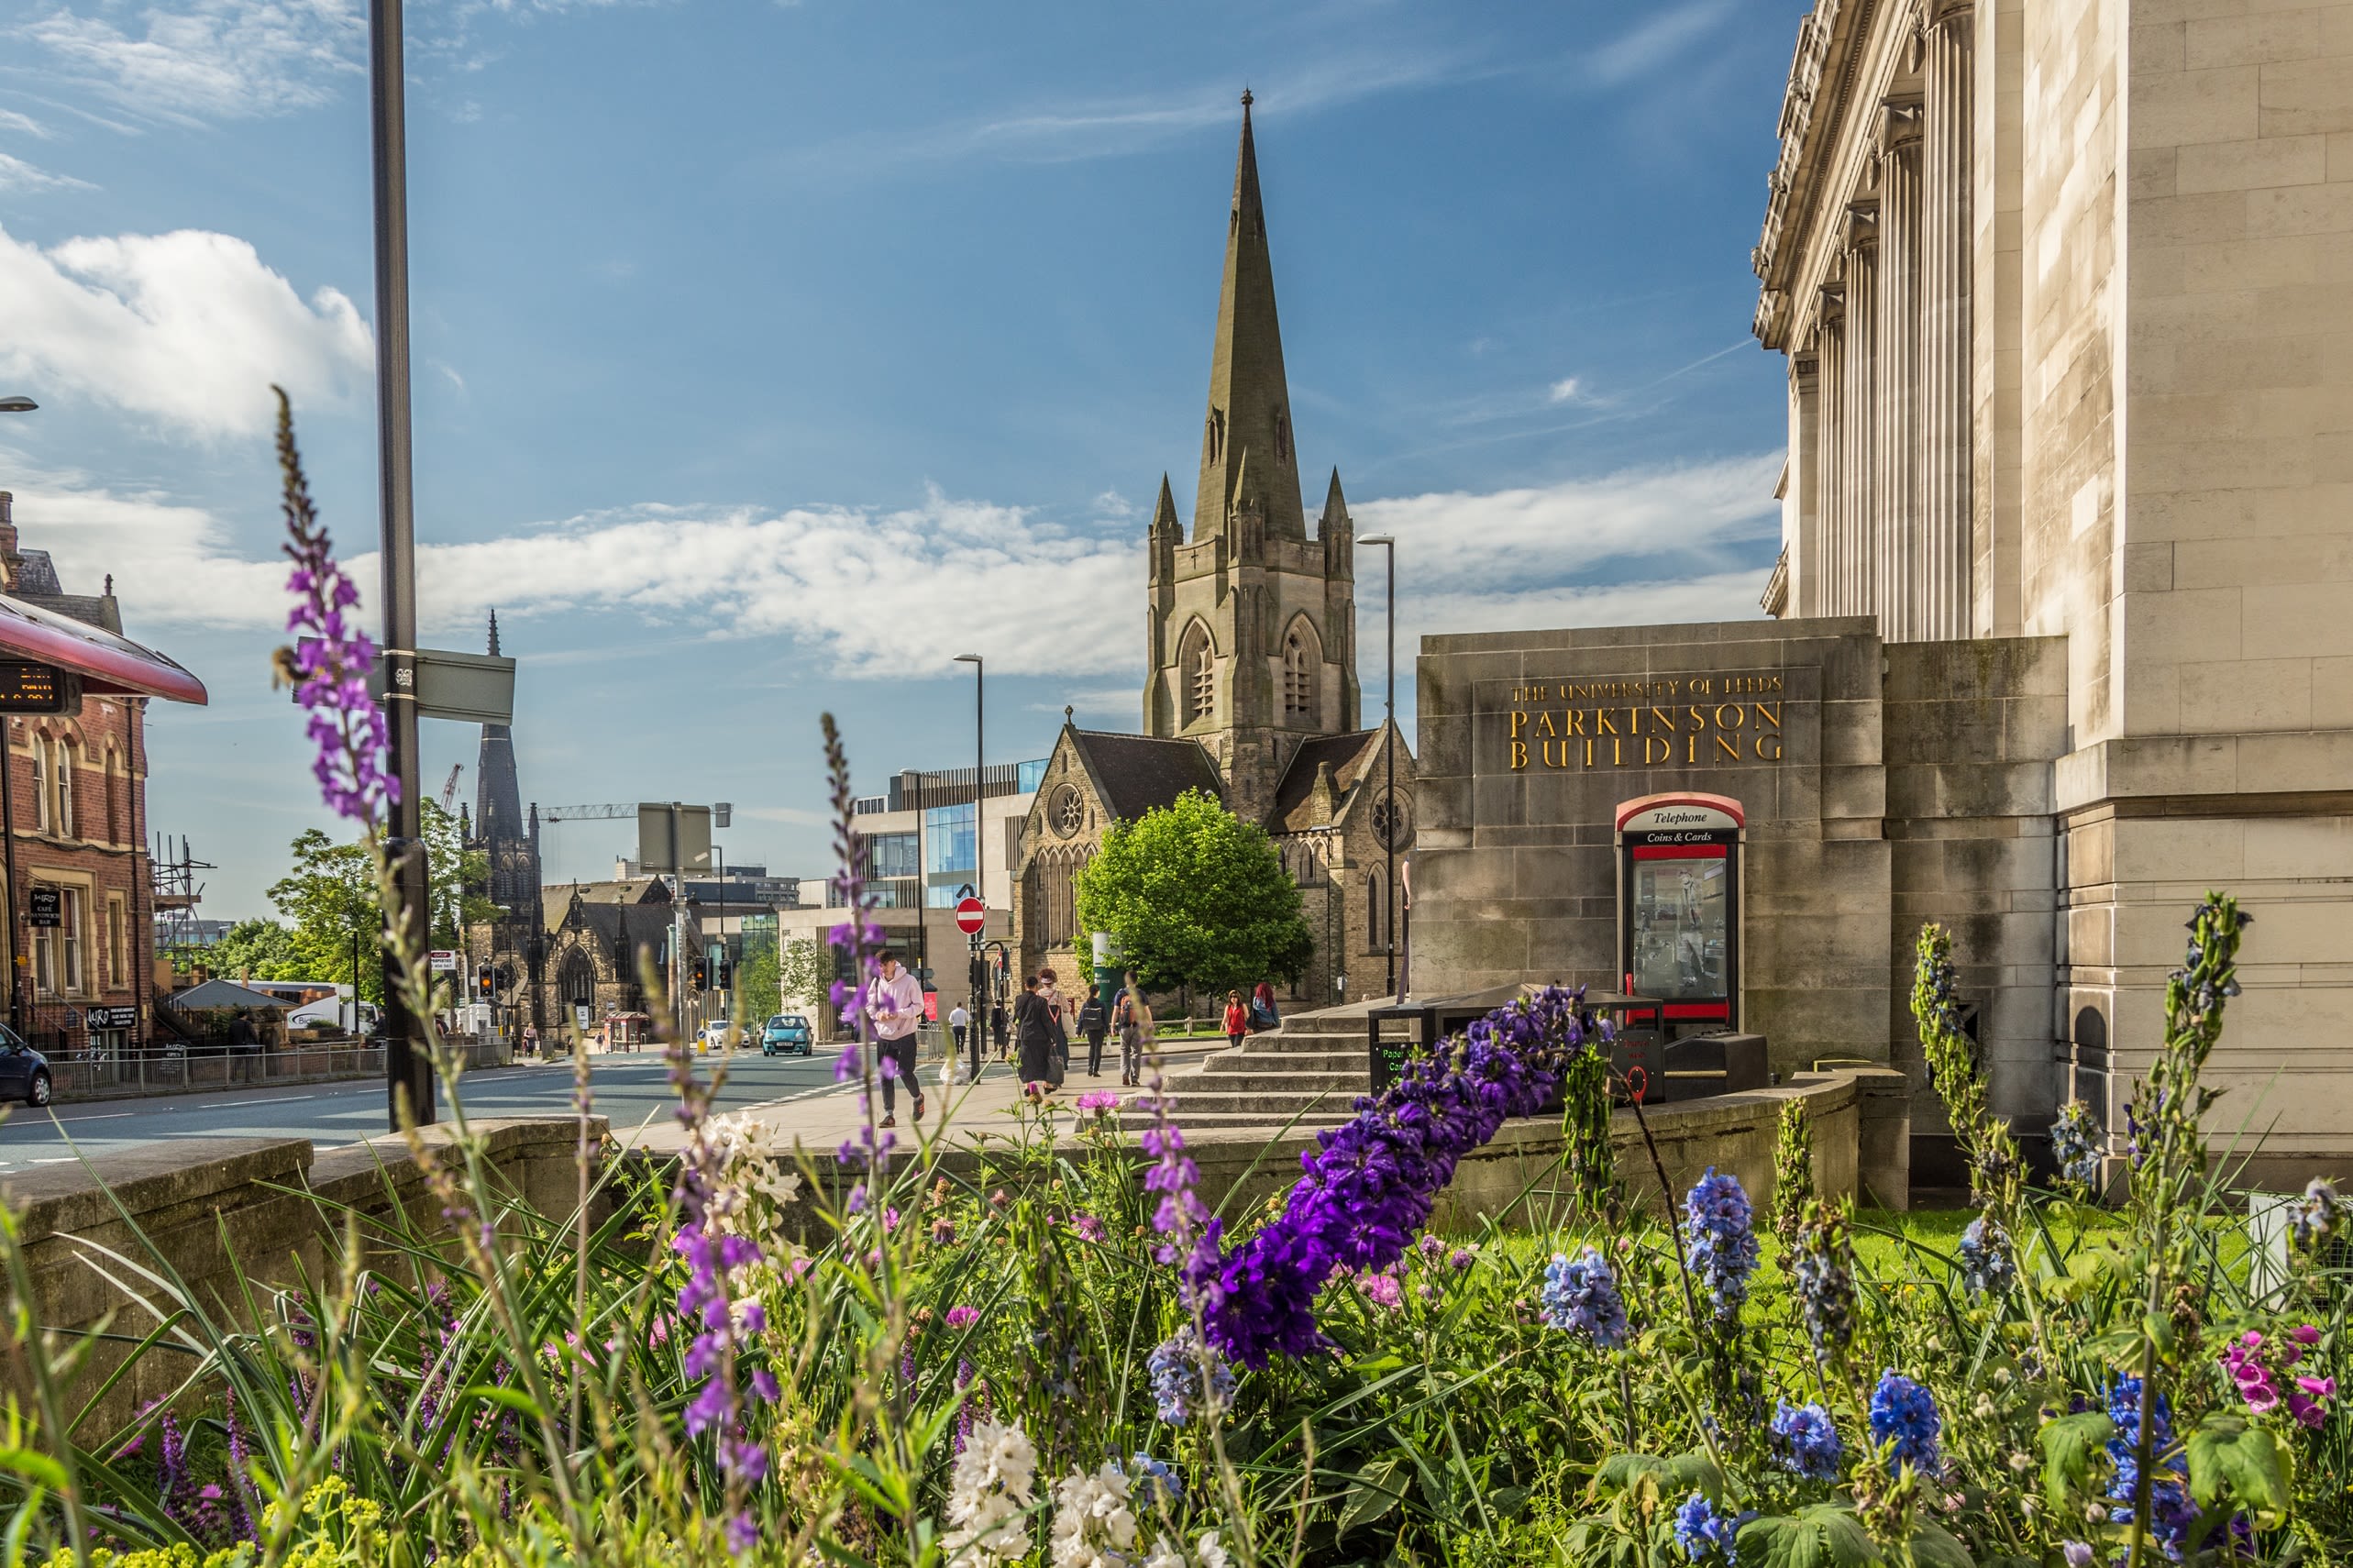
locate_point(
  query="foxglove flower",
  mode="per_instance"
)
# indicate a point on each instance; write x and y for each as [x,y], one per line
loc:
[1581,1295]
[1706,1532]
[2321,1215]
[1806,1440]
[1720,1242]
[1905,1414]
[1984,1255]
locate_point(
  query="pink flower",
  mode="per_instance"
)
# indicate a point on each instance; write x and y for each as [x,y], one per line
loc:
[1097,1101]
[1382,1289]
[962,1318]
[1089,1227]
[2308,1410]
[2305,1334]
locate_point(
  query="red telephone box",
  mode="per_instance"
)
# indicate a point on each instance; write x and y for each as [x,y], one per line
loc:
[1679,908]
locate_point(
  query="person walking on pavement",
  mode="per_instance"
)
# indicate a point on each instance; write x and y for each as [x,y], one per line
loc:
[1132,1017]
[1093,1019]
[530,1039]
[1037,1027]
[1050,993]
[960,1025]
[997,1030]
[896,1005]
[1237,1019]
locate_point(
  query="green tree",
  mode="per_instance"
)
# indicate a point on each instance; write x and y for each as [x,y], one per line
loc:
[329,898]
[804,973]
[1193,895]
[264,949]
[756,980]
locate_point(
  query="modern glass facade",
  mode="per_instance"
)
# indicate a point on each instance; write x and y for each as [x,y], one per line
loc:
[951,857]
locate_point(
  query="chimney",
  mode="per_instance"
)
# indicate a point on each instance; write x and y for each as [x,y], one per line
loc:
[7,523]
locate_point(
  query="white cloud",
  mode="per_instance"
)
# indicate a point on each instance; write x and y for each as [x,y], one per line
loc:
[1507,540]
[15,175]
[866,594]
[1569,390]
[1654,43]
[188,327]
[1111,504]
[211,59]
[24,125]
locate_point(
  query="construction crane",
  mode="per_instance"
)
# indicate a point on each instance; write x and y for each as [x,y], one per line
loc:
[449,790]
[626,810]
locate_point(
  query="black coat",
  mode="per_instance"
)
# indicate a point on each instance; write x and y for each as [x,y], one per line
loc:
[1039,1037]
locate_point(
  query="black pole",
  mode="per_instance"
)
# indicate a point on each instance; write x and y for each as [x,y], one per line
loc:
[408,1064]
[1389,893]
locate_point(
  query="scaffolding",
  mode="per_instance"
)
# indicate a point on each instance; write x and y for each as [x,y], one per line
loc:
[177,891]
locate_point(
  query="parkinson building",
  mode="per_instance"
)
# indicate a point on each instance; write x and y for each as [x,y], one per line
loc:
[2062,627]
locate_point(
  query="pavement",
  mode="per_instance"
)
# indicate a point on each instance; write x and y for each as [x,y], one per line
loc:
[796,1096]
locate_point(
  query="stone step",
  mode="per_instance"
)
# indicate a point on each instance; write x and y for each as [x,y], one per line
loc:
[1226,1061]
[1258,1109]
[1278,1083]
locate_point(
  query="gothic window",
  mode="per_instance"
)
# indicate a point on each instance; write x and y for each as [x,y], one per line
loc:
[575,980]
[1196,673]
[1301,678]
[1215,436]
[1066,812]
[1392,822]
[1375,912]
[1282,436]
[1053,895]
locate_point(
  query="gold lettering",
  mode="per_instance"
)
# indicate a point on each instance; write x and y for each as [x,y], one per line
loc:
[1691,748]
[1738,717]
[1544,723]
[1517,719]
[1518,755]
[1601,725]
[1729,746]
[1633,721]
[1576,721]
[1772,741]
[1698,719]
[1661,720]
[1618,754]
[1665,752]
[1767,714]
[1546,748]
[1589,753]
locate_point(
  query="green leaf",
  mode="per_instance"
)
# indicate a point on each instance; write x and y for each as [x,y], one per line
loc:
[1821,1536]
[514,1400]
[2069,1444]
[38,1467]
[1375,1492]
[2231,1461]
[1933,1547]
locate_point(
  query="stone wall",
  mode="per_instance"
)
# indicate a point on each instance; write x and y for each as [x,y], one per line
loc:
[227,1216]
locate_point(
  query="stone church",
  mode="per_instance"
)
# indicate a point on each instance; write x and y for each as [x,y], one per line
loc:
[1252,695]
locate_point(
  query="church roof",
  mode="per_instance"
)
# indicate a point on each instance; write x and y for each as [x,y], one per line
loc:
[1347,755]
[1135,774]
[557,898]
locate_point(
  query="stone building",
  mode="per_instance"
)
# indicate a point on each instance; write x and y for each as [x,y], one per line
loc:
[508,836]
[2066,595]
[1251,637]
[596,936]
[77,832]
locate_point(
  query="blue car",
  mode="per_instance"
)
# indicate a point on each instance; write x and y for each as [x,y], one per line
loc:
[788,1032]
[24,1072]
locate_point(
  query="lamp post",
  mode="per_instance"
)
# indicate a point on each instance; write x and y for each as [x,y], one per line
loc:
[1389,829]
[979,860]
[8,800]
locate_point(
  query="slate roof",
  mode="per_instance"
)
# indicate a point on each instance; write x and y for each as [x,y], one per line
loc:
[222,993]
[1136,774]
[556,899]
[1349,756]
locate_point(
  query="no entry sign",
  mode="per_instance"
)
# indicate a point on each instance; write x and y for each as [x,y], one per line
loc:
[971,914]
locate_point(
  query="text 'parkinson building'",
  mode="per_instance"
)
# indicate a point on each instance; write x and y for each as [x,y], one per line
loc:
[2064,629]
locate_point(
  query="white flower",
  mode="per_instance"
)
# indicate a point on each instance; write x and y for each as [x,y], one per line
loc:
[1093,1524]
[1211,1552]
[1165,1553]
[990,1495]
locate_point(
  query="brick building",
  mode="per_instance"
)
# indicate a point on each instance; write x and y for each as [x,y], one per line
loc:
[75,823]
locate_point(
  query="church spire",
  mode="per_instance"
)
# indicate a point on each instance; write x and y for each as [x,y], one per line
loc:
[494,634]
[1250,402]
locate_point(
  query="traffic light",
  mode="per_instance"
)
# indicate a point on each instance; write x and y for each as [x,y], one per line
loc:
[722,969]
[702,975]
[485,980]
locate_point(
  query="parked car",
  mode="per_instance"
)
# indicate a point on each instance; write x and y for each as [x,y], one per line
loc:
[715,1035]
[24,1072]
[787,1032]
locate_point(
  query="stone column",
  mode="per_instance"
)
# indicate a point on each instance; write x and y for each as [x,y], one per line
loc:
[1830,402]
[1946,266]
[1805,498]
[1856,572]
[1896,552]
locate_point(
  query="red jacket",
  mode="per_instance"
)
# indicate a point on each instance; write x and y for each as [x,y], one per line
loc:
[1237,1019]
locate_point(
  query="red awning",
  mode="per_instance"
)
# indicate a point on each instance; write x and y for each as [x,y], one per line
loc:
[106,662]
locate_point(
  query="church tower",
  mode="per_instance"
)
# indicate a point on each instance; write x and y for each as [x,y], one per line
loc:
[1252,629]
[500,827]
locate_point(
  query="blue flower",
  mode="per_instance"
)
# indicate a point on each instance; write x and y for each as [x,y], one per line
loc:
[1806,1440]
[1175,1368]
[1984,1254]
[2172,1514]
[1155,1485]
[1720,1242]
[1706,1533]
[1905,1414]
[2075,1143]
[1582,1295]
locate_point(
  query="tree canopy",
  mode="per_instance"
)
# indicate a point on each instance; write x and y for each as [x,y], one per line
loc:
[1193,895]
[329,897]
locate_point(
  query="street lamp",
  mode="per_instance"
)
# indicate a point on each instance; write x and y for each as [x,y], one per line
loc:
[7,802]
[979,860]
[1389,889]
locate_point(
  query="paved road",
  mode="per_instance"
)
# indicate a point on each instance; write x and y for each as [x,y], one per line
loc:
[629,1089]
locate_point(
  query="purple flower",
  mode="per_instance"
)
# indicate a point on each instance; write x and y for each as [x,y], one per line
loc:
[1718,1241]
[961,1317]
[1187,1377]
[1904,1413]
[1581,1295]
[1706,1533]
[331,658]
[1806,1440]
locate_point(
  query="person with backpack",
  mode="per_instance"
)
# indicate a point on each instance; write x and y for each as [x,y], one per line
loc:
[1237,1019]
[1132,1017]
[1093,1019]
[1263,1014]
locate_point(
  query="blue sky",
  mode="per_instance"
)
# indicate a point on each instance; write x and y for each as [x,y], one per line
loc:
[766,356]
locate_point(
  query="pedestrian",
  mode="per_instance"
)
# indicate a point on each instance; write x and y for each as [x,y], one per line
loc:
[1093,1019]
[997,1030]
[1263,1014]
[960,1025]
[1133,1018]
[531,1040]
[1237,1019]
[895,1002]
[1037,1028]
[1050,993]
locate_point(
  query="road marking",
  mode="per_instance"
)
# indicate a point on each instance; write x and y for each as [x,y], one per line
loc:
[99,1116]
[59,1160]
[286,1099]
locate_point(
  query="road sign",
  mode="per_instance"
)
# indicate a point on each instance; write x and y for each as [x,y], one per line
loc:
[27,688]
[112,1018]
[971,914]
[444,961]
[42,906]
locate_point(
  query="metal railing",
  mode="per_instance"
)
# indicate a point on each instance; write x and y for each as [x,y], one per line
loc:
[165,1071]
